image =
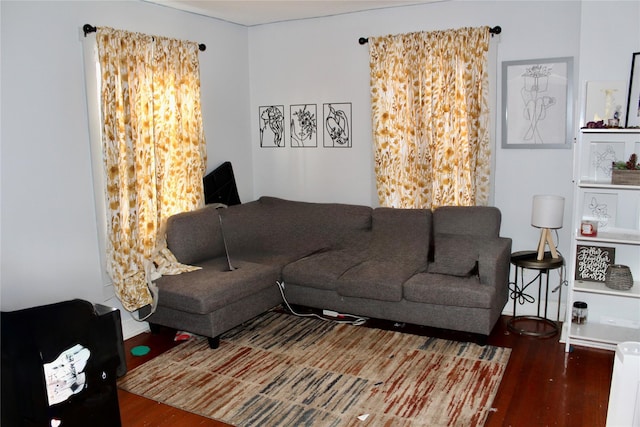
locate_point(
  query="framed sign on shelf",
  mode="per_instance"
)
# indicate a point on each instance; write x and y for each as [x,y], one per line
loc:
[633,101]
[592,262]
[537,103]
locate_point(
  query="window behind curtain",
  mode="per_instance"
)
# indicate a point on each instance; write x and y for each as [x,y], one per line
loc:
[151,159]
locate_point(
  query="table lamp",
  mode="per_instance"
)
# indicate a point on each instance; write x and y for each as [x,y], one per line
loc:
[546,214]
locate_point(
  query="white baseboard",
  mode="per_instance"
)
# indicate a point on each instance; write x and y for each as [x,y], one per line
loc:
[130,326]
[531,309]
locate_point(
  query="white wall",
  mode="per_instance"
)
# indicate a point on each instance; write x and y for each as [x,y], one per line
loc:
[49,232]
[320,60]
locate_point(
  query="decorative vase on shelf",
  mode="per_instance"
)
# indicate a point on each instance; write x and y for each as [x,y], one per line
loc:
[618,277]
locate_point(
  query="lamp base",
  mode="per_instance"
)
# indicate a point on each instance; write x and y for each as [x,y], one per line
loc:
[545,238]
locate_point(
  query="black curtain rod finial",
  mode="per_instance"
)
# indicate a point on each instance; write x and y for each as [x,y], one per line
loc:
[88,29]
[363,40]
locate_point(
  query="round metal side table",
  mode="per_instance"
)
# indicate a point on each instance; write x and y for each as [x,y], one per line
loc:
[528,260]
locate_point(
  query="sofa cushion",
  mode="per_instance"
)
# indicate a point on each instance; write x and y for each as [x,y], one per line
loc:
[373,279]
[448,290]
[321,270]
[214,286]
[279,260]
[455,255]
[467,220]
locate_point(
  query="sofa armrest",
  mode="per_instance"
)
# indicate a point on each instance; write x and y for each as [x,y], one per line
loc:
[195,236]
[494,263]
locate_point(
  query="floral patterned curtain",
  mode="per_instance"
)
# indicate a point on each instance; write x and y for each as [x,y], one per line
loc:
[154,153]
[430,118]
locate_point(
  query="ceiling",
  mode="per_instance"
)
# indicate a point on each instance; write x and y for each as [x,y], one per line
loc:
[256,12]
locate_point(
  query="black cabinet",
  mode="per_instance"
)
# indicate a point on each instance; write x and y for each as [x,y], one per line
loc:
[59,365]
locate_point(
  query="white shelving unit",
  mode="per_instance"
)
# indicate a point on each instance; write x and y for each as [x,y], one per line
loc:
[614,315]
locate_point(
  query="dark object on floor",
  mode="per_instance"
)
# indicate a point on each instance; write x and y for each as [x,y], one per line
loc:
[220,186]
[59,365]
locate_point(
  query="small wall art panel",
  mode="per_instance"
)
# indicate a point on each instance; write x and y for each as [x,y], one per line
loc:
[337,125]
[303,125]
[271,119]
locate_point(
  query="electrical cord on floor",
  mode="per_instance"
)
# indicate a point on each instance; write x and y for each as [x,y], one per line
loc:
[343,318]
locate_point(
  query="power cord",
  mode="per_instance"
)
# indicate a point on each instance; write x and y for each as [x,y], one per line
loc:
[343,318]
[562,272]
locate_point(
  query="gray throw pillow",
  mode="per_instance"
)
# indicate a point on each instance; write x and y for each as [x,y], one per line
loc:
[455,255]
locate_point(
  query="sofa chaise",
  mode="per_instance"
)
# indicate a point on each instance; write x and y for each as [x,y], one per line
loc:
[446,269]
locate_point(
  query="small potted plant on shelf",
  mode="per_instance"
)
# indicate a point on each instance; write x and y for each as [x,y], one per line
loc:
[626,173]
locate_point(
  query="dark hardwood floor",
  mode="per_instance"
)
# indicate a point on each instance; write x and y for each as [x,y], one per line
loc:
[542,386]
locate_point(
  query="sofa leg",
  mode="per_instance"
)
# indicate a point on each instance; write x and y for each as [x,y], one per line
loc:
[482,340]
[214,342]
[154,328]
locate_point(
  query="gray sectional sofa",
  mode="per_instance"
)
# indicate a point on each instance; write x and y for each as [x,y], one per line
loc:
[446,269]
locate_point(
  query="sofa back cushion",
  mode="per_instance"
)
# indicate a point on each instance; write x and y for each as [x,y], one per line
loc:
[276,226]
[401,234]
[467,220]
[195,236]
[458,231]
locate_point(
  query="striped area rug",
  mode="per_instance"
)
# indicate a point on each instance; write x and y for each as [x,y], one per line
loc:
[281,370]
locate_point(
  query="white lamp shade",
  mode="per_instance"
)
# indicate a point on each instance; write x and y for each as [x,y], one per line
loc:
[547,211]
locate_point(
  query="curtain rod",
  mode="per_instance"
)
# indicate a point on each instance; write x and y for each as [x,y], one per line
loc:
[91,29]
[495,30]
